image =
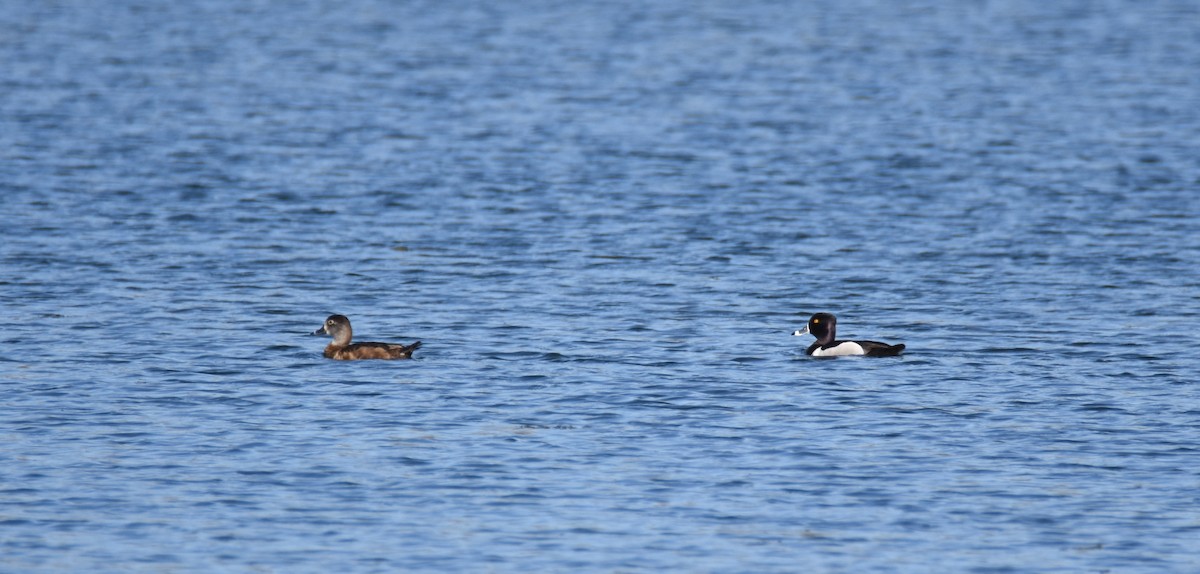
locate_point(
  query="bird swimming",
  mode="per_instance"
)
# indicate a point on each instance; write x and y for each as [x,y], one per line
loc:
[343,350]
[823,326]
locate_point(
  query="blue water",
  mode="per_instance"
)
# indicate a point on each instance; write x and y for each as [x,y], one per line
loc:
[603,220]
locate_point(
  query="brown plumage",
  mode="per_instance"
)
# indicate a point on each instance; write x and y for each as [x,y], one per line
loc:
[341,349]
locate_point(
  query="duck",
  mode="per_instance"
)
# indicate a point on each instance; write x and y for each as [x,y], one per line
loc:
[342,350]
[823,326]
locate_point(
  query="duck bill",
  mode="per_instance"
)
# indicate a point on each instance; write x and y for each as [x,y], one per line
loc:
[320,331]
[799,332]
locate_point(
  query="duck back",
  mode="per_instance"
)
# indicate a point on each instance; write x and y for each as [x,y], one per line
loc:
[357,351]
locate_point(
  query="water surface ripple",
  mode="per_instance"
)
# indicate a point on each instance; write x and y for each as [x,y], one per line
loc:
[604,220]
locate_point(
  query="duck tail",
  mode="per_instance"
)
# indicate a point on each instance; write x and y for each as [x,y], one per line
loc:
[408,349]
[403,351]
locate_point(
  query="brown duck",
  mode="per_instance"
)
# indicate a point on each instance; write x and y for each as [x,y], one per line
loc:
[341,349]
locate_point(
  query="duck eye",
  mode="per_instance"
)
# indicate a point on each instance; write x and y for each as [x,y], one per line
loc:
[816,321]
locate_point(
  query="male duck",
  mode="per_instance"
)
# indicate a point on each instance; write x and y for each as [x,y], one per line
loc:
[339,327]
[823,326]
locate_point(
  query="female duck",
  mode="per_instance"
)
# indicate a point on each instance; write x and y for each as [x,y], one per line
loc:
[823,326]
[339,327]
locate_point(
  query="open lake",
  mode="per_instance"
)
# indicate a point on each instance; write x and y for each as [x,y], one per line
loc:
[603,220]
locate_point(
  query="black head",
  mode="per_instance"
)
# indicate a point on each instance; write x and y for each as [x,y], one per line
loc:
[821,323]
[823,326]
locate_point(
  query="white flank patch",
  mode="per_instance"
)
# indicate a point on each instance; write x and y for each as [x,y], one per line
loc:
[840,350]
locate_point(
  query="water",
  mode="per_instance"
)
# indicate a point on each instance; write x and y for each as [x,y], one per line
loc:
[604,221]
